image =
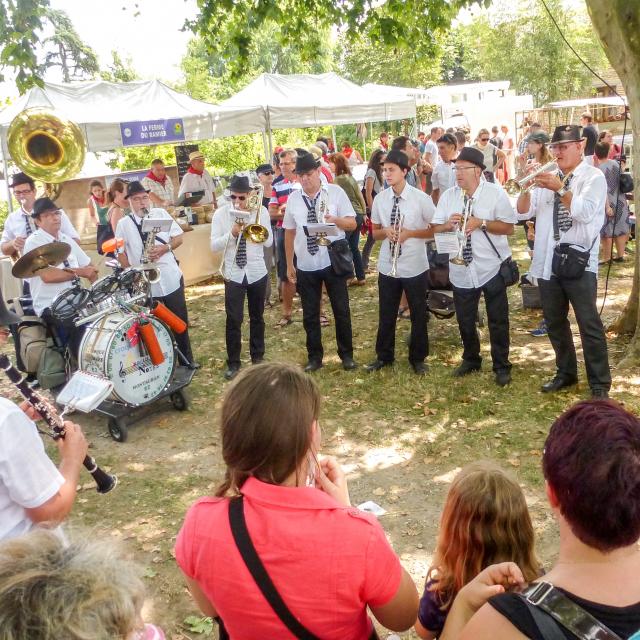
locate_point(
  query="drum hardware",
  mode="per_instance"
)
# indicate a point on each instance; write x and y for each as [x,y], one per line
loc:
[115,307]
[68,304]
[462,232]
[43,257]
[515,187]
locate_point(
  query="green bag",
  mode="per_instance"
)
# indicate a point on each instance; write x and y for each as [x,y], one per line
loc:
[51,368]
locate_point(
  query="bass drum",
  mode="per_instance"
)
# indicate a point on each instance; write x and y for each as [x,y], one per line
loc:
[106,351]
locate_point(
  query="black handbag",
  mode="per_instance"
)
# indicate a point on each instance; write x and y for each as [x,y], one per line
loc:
[508,268]
[341,258]
[569,263]
[104,232]
[626,182]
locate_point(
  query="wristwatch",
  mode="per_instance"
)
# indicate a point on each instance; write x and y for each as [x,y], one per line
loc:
[483,225]
[562,191]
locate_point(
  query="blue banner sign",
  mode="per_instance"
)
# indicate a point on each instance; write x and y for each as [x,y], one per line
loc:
[151,132]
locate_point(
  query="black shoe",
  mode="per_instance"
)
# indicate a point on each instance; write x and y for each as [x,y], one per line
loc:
[349,364]
[503,378]
[598,392]
[465,369]
[194,366]
[231,372]
[558,383]
[312,365]
[376,365]
[419,368]
[257,360]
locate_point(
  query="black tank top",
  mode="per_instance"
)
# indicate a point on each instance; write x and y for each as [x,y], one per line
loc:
[625,621]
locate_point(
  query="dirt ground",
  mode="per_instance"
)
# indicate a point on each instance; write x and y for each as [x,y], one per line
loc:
[400,438]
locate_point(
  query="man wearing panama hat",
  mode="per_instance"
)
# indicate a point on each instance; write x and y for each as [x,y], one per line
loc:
[198,178]
[570,211]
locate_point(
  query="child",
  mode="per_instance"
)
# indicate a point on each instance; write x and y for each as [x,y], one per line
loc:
[485,521]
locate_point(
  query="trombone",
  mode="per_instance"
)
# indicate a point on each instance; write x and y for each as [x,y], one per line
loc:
[515,187]
[462,232]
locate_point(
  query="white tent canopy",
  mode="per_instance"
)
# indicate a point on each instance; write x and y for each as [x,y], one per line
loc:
[308,100]
[100,107]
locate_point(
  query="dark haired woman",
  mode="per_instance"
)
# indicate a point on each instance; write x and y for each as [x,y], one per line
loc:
[327,561]
[372,187]
[591,465]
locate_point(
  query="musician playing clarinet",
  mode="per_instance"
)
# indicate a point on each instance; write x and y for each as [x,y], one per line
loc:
[490,220]
[401,217]
[245,273]
[32,490]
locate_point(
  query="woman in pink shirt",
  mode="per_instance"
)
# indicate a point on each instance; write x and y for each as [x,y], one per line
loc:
[327,560]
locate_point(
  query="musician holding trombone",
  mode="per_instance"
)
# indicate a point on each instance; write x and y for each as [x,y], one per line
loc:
[32,490]
[243,268]
[481,212]
[401,217]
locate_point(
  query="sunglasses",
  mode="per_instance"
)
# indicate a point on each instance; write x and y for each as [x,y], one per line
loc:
[484,139]
[267,173]
[233,196]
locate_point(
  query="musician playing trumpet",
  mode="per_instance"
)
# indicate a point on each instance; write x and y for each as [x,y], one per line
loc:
[401,217]
[489,220]
[244,270]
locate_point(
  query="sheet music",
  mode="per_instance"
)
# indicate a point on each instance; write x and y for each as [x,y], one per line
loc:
[325,228]
[84,391]
[447,242]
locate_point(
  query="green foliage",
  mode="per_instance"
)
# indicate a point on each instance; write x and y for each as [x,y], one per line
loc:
[119,70]
[231,29]
[200,625]
[523,46]
[4,212]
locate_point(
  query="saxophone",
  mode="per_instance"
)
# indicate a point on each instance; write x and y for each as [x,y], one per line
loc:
[150,269]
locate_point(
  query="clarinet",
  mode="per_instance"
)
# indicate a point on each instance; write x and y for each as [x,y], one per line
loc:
[104,481]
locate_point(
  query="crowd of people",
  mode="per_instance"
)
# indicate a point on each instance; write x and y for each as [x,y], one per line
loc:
[321,579]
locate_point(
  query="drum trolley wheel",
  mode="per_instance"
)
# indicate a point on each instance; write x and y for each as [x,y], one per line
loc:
[121,415]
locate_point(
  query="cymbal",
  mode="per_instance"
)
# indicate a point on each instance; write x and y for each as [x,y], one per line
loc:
[48,255]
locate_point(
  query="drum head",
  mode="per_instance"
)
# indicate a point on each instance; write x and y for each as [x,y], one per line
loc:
[104,288]
[67,305]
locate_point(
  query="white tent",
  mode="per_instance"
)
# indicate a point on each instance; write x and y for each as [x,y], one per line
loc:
[99,108]
[308,100]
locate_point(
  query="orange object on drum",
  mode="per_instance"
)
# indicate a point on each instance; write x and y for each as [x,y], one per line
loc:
[148,335]
[109,246]
[177,325]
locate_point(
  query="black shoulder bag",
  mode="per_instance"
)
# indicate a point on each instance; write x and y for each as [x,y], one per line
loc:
[550,609]
[259,573]
[508,268]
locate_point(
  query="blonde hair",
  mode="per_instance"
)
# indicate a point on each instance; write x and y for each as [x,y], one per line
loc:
[485,520]
[50,590]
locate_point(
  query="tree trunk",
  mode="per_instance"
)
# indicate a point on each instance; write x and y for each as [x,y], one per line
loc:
[617,23]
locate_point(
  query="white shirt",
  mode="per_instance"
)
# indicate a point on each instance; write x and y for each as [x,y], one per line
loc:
[444,176]
[418,210]
[296,218]
[589,188]
[28,478]
[16,225]
[431,151]
[192,182]
[490,202]
[170,274]
[43,293]
[255,268]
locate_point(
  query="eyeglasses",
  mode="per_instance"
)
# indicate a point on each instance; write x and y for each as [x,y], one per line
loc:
[233,196]
[266,173]
[464,168]
[22,192]
[484,139]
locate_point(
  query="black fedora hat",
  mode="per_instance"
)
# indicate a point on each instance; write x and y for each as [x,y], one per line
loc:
[398,157]
[135,187]
[43,204]
[567,133]
[240,184]
[21,178]
[7,317]
[306,162]
[264,168]
[474,156]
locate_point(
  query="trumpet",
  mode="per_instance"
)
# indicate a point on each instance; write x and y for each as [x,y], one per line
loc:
[256,232]
[396,247]
[462,231]
[515,187]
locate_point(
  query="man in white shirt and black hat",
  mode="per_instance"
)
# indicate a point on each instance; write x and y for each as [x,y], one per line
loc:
[197,179]
[245,272]
[170,288]
[401,216]
[309,264]
[490,220]
[570,211]
[51,282]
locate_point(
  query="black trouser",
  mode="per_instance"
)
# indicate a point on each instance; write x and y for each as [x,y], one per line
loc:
[581,293]
[353,238]
[309,287]
[234,294]
[389,294]
[495,299]
[175,301]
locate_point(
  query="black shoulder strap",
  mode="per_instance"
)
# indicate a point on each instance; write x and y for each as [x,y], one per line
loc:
[491,243]
[259,573]
[547,626]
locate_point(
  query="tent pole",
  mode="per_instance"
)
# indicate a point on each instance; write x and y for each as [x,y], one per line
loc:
[6,176]
[333,136]
[265,146]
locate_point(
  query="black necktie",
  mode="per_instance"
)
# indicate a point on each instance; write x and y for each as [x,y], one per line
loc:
[467,252]
[241,253]
[27,224]
[312,216]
